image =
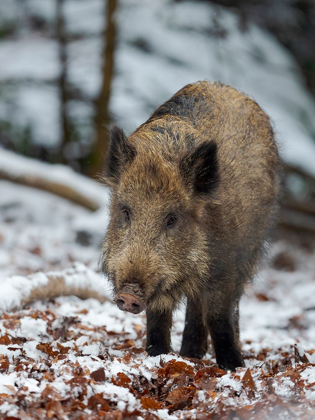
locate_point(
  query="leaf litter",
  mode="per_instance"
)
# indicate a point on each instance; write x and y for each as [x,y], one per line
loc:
[73,359]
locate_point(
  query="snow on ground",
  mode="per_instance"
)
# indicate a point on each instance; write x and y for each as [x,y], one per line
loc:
[67,357]
[161,47]
[41,233]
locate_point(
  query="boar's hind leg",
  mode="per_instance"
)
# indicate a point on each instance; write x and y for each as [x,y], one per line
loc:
[224,333]
[158,332]
[195,334]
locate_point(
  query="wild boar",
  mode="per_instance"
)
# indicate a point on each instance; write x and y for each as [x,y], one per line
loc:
[194,197]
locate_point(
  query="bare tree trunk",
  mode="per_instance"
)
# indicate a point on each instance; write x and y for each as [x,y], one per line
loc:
[63,93]
[102,116]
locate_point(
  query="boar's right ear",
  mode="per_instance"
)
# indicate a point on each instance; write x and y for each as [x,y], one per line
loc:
[200,168]
[120,152]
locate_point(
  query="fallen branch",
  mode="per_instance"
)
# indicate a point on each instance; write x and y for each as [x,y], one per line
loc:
[305,207]
[56,179]
[302,223]
[18,291]
[56,188]
[291,169]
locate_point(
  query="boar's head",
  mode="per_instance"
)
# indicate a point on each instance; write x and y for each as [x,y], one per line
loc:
[155,249]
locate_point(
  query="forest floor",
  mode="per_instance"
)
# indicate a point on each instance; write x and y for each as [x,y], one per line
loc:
[67,358]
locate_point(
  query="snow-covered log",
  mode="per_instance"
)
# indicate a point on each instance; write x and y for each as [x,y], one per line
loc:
[18,291]
[57,179]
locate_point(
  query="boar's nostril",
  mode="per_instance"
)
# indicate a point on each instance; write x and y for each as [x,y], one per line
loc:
[129,303]
[120,302]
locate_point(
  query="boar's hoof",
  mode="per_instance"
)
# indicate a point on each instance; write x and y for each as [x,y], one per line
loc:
[129,303]
[230,363]
[157,350]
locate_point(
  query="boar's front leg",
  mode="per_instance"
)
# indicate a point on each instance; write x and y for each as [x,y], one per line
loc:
[158,332]
[195,333]
[223,328]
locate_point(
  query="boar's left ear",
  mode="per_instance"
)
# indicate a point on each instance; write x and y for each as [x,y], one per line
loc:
[120,152]
[200,168]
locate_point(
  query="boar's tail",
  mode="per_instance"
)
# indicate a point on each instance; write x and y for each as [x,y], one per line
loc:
[18,291]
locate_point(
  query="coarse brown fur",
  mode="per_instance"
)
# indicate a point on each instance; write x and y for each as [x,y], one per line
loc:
[194,197]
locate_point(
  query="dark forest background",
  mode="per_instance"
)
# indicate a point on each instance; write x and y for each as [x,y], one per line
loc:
[57,110]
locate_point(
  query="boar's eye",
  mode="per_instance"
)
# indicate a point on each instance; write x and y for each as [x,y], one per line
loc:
[126,214]
[170,221]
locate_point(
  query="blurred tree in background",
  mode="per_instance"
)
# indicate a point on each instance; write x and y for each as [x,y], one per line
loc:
[291,21]
[71,67]
[73,121]
[102,116]
[83,154]
[90,160]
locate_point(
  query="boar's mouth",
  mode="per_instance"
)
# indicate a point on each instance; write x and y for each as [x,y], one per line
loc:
[172,291]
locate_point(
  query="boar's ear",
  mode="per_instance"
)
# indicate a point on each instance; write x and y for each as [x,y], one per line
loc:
[120,152]
[200,168]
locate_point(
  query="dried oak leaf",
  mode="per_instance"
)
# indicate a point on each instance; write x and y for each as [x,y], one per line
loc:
[180,397]
[54,409]
[79,386]
[297,322]
[11,324]
[248,381]
[262,297]
[284,261]
[73,405]
[63,349]
[14,348]
[211,372]
[300,357]
[36,250]
[36,314]
[78,381]
[151,404]
[206,379]
[47,348]
[82,311]
[137,350]
[98,375]
[50,393]
[98,402]
[173,369]
[4,363]
[125,345]
[12,418]
[126,358]
[121,380]
[205,383]
[5,340]
[63,330]
[48,376]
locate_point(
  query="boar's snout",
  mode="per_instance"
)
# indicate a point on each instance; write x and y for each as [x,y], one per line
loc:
[129,303]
